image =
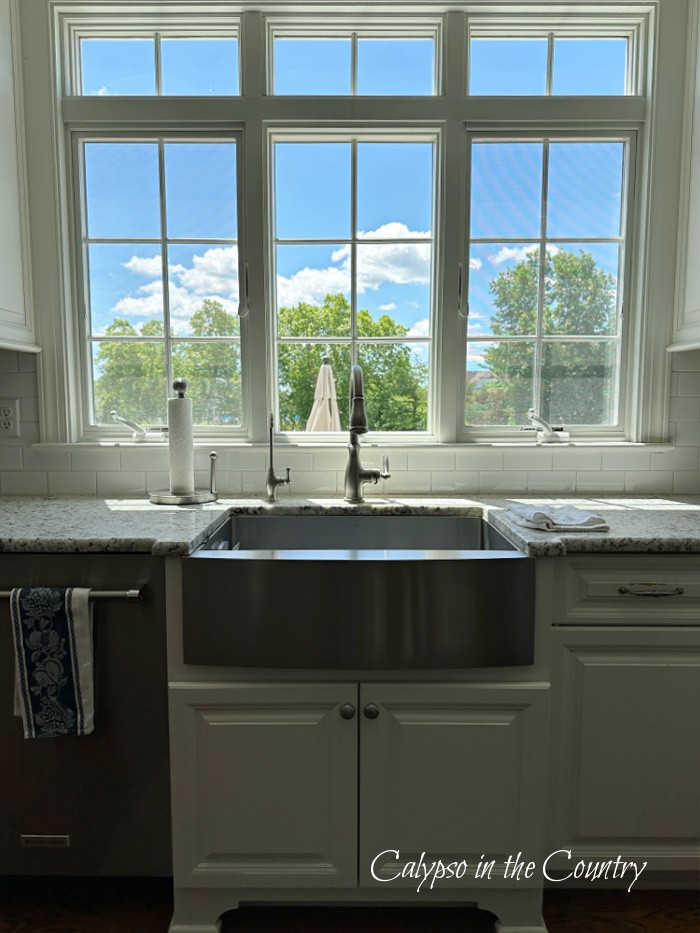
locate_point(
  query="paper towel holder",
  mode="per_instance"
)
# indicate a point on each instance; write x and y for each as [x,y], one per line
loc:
[165,497]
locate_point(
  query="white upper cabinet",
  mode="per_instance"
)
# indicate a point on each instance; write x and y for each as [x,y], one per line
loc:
[686,332]
[16,326]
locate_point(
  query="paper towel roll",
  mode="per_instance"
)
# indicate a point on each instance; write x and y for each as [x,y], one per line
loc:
[181,446]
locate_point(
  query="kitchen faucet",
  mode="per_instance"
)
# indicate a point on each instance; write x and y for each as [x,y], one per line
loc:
[546,434]
[273,481]
[355,474]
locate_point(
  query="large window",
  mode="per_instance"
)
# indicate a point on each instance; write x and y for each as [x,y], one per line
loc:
[459,201]
[353,223]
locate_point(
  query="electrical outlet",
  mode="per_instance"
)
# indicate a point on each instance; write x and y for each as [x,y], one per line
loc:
[9,417]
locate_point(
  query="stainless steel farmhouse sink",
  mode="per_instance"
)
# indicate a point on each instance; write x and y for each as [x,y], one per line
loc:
[354,592]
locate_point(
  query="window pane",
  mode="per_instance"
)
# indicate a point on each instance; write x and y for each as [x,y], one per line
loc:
[499,382]
[130,378]
[203,290]
[312,66]
[298,366]
[200,190]
[394,189]
[507,66]
[312,190]
[118,67]
[313,291]
[585,189]
[396,385]
[581,289]
[589,66]
[122,190]
[506,189]
[395,66]
[503,289]
[201,67]
[125,289]
[579,382]
[214,374]
[393,289]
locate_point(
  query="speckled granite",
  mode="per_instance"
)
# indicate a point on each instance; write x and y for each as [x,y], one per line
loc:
[82,524]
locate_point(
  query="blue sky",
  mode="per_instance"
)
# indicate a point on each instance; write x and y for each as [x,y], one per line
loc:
[313,181]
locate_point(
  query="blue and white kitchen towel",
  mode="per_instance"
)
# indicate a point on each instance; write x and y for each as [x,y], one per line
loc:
[52,629]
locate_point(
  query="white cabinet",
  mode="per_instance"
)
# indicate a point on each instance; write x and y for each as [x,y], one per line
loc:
[625,755]
[16,326]
[294,789]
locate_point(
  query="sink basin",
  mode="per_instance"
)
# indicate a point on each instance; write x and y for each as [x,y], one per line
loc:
[379,592]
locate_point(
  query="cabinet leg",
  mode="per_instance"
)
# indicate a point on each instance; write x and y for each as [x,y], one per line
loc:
[198,911]
[516,911]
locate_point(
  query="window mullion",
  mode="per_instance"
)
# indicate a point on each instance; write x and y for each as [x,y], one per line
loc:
[353,251]
[164,267]
[541,285]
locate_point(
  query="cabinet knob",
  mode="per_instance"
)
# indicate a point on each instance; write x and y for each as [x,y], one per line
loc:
[371,711]
[347,711]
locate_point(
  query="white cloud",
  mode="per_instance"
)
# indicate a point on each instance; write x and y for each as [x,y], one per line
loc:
[389,307]
[391,231]
[312,285]
[512,254]
[144,265]
[475,263]
[420,329]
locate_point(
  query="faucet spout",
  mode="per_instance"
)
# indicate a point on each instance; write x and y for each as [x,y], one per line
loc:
[358,412]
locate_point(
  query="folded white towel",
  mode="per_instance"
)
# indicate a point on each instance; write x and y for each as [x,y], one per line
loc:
[555,518]
[52,629]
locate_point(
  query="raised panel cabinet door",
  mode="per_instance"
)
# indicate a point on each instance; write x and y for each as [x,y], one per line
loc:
[264,785]
[625,749]
[455,771]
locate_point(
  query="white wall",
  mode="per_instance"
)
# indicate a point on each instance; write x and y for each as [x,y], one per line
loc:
[134,470]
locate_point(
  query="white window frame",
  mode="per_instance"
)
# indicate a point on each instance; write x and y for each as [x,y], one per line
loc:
[359,134]
[654,113]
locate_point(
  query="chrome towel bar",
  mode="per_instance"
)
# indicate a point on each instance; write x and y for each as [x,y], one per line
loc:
[130,596]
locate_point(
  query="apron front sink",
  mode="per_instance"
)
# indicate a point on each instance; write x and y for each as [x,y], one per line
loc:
[358,592]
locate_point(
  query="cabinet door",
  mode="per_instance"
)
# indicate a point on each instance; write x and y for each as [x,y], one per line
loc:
[625,748]
[457,771]
[264,785]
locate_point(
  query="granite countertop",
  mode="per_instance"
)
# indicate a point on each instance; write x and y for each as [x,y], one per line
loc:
[84,524]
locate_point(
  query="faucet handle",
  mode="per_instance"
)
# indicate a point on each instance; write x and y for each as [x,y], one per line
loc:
[385,474]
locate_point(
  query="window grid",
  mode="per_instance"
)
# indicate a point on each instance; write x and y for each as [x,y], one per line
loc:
[168,341]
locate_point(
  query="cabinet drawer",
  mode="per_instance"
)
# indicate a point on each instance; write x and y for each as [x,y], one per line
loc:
[606,589]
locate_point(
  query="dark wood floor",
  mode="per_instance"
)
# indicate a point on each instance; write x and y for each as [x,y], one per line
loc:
[99,905]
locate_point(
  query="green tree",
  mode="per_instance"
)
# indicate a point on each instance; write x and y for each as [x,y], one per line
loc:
[577,384]
[130,375]
[395,380]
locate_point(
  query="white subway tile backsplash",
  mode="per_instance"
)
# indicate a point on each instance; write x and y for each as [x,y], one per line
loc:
[18,385]
[686,482]
[333,460]
[29,409]
[157,480]
[121,483]
[8,361]
[688,433]
[675,458]
[528,458]
[253,482]
[302,462]
[34,459]
[154,459]
[479,458]
[688,361]
[649,482]
[601,481]
[576,458]
[412,481]
[23,484]
[95,459]
[72,483]
[554,481]
[685,409]
[314,483]
[688,384]
[627,459]
[10,458]
[27,362]
[243,460]
[502,482]
[431,460]
[453,481]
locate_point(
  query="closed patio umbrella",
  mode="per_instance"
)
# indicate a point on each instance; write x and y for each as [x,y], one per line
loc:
[324,412]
